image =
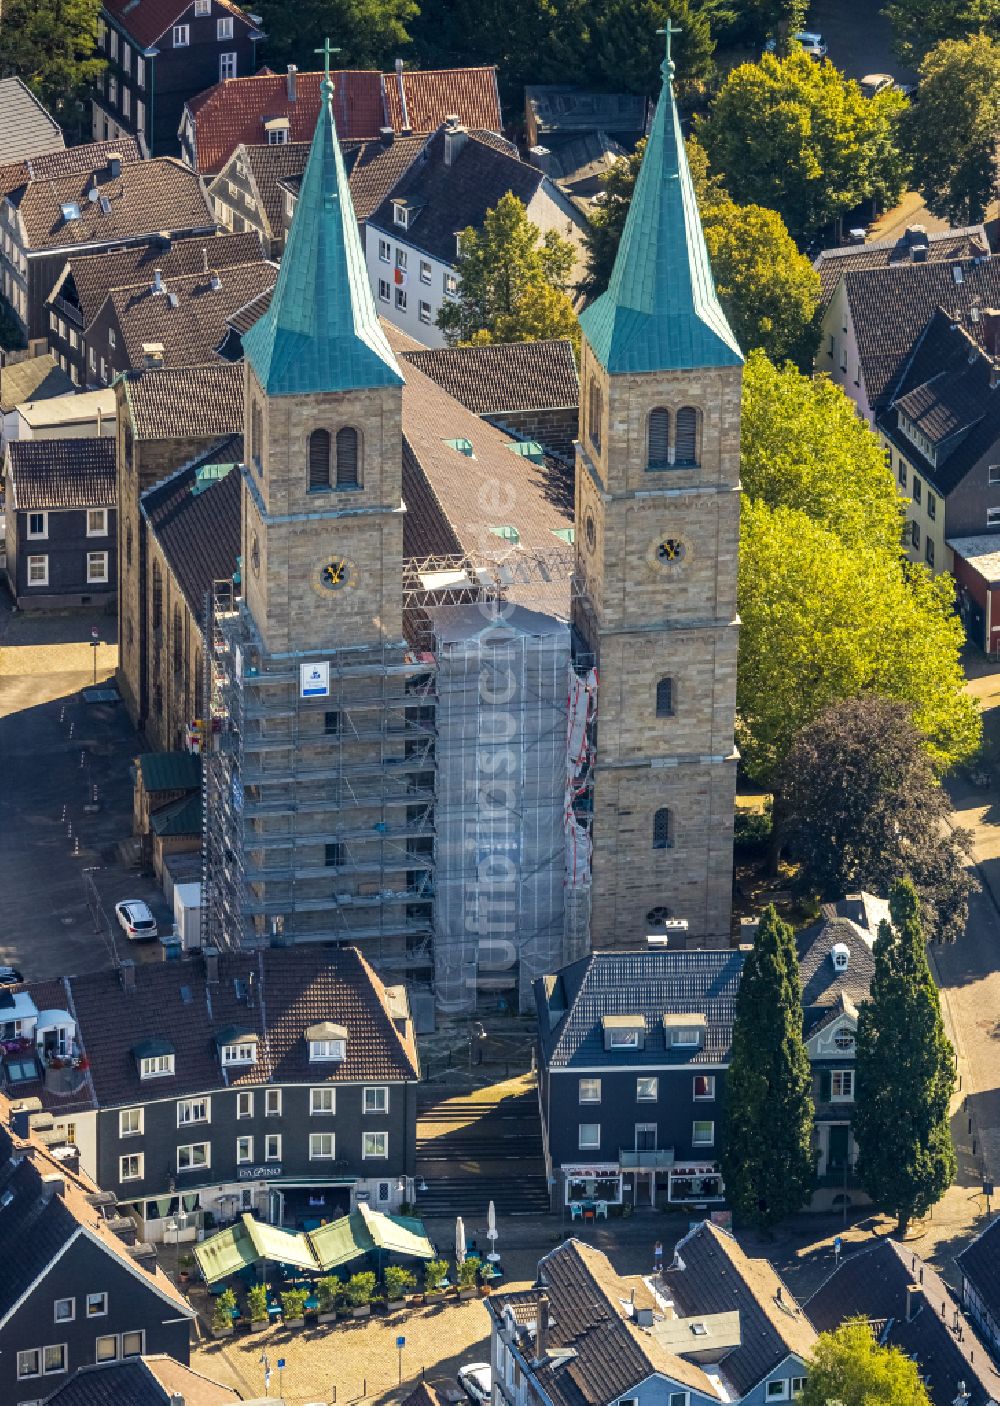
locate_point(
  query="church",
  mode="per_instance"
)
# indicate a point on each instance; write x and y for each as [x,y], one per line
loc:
[461,702]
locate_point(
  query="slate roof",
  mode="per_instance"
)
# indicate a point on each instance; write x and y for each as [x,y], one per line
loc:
[980,1265]
[169,771]
[376,168]
[447,199]
[87,279]
[36,378]
[75,159]
[647,983]
[947,244]
[824,990]
[711,1274]
[945,390]
[562,107]
[62,473]
[145,198]
[609,1355]
[172,1001]
[199,532]
[493,379]
[140,1381]
[180,818]
[190,402]
[148,20]
[872,1282]
[432,94]
[189,332]
[423,1394]
[266,166]
[890,308]
[26,129]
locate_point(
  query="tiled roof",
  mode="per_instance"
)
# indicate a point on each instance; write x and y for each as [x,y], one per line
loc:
[947,390]
[980,1264]
[147,20]
[88,278]
[290,990]
[823,987]
[75,159]
[267,165]
[560,107]
[649,984]
[244,318]
[376,168]
[711,1274]
[884,253]
[169,771]
[199,532]
[62,473]
[26,129]
[873,1283]
[190,402]
[447,199]
[180,817]
[36,378]
[890,307]
[516,376]
[190,331]
[140,1381]
[145,198]
[470,94]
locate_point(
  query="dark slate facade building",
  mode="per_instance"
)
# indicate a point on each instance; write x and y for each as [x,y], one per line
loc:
[979,1265]
[60,521]
[72,1291]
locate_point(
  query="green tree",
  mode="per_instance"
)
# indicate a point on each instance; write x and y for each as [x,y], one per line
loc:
[953,131]
[905,1073]
[767,1159]
[804,446]
[800,138]
[920,24]
[370,33]
[824,619]
[862,809]
[851,1368]
[624,44]
[52,46]
[512,282]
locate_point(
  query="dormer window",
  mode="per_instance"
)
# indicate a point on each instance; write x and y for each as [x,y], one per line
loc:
[155,1058]
[239,1054]
[623,1039]
[623,1032]
[326,1050]
[236,1046]
[327,1042]
[684,1032]
[400,214]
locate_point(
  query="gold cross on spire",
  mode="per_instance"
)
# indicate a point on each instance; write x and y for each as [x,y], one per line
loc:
[328,52]
[667,66]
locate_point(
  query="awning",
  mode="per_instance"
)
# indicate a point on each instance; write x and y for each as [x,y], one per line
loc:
[273,1243]
[224,1254]
[400,1235]
[341,1241]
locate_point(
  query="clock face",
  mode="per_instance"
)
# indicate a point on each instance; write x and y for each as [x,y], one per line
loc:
[590,530]
[670,551]
[335,574]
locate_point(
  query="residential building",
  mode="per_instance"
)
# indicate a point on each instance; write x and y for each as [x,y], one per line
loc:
[143,1381]
[412,239]
[975,565]
[716,1326]
[36,378]
[77,1288]
[979,1267]
[276,1082]
[157,55]
[59,522]
[274,108]
[911,1309]
[105,202]
[26,129]
[78,415]
[85,281]
[575,136]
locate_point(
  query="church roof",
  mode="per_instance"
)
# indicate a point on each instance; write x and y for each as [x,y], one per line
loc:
[321,331]
[660,311]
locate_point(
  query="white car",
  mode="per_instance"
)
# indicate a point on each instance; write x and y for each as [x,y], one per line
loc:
[811,43]
[874,83]
[476,1380]
[136,920]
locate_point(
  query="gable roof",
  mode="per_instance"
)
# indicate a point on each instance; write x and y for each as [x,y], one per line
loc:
[35,378]
[660,310]
[26,129]
[710,1273]
[198,527]
[504,377]
[980,1265]
[185,402]
[148,20]
[873,1282]
[946,244]
[824,989]
[649,984]
[169,771]
[432,94]
[62,473]
[93,156]
[266,165]
[140,1381]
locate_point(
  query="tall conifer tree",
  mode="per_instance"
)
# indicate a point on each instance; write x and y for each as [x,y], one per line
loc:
[905,1073]
[767,1158]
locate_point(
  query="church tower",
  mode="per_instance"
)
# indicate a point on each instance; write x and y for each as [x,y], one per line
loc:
[657,538]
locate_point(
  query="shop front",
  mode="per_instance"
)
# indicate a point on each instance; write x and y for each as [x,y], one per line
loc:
[589,1182]
[695,1182]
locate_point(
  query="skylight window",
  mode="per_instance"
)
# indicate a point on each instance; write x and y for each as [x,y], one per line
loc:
[70,211]
[508,532]
[464,446]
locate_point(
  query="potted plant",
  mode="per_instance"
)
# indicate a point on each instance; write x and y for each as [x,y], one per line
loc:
[257,1306]
[360,1292]
[222,1314]
[328,1291]
[397,1282]
[434,1272]
[293,1307]
[467,1272]
[184,1268]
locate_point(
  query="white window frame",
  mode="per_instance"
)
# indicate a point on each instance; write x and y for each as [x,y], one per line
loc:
[140,70]
[70,1317]
[192,1166]
[317,1143]
[993,517]
[43,579]
[588,1144]
[679,1398]
[370,1147]
[697,1141]
[101,515]
[129,1157]
[224,27]
[653,1097]
[139,1333]
[202,8]
[272,1103]
[34,536]
[111,1338]
[29,1352]
[126,56]
[126,102]
[781,1389]
[97,568]
[426,272]
[244,1103]
[686,1038]
[114,44]
[377,1091]
[798,1386]
[272,1140]
[401,258]
[156,1067]
[244,1149]
[623,1039]
[181,36]
[187,1110]
[585,1091]
[993,474]
[227,65]
[400,215]
[450,285]
[111,337]
[324,1092]
[401,299]
[243,1053]
[384,290]
[424,311]
[385,256]
[101,1298]
[327,1051]
[129,1114]
[707,1097]
[845,1077]
[55,1371]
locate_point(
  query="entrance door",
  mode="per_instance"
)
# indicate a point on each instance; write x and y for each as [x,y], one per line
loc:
[836,1145]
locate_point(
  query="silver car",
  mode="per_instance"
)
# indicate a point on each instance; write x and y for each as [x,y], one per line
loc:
[137,922]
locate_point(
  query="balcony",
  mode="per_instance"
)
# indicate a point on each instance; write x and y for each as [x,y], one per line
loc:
[652,1160]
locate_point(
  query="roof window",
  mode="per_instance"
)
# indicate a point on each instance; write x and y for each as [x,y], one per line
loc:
[237,1046]
[327,1042]
[464,446]
[70,211]
[508,532]
[624,1032]
[685,1031]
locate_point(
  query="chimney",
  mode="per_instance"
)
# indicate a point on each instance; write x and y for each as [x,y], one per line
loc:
[211,955]
[176,1399]
[114,164]
[387,135]
[406,128]
[54,1184]
[991,330]
[152,354]
[455,137]
[914,1301]
[290,82]
[126,975]
[541,158]
[165,240]
[215,283]
[157,280]
[542,1328]
[144,1255]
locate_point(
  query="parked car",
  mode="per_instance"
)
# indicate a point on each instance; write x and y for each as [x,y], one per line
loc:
[10,976]
[136,920]
[874,83]
[476,1380]
[810,41]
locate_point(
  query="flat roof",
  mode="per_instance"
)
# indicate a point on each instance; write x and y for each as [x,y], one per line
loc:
[69,409]
[982,553]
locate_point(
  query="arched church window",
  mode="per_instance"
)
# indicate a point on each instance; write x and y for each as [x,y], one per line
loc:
[665,698]
[663,829]
[686,437]
[659,438]
[257,437]
[319,459]
[128,543]
[347,458]
[178,639]
[157,596]
[594,414]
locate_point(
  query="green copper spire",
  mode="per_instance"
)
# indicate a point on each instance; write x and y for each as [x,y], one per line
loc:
[660,311]
[321,331]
